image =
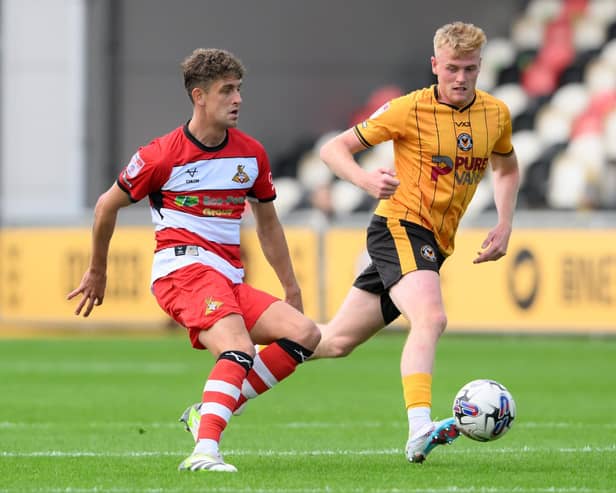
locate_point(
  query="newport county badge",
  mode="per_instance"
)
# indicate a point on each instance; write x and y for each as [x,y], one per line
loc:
[427,252]
[465,142]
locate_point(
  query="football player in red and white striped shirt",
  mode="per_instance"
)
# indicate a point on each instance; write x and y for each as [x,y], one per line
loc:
[198,178]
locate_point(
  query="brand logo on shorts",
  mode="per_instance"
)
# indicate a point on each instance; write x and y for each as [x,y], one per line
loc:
[427,252]
[211,305]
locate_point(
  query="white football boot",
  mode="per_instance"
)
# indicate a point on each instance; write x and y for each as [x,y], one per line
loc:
[205,462]
[420,444]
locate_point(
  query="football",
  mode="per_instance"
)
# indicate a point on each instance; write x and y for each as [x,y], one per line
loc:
[484,410]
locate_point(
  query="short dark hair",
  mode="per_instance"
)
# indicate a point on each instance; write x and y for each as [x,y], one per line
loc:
[205,65]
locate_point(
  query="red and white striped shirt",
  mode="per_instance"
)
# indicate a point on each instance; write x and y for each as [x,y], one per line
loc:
[197,197]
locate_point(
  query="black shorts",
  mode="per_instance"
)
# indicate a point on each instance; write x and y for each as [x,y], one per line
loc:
[396,247]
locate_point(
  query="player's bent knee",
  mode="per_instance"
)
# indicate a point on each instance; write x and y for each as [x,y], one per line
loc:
[308,334]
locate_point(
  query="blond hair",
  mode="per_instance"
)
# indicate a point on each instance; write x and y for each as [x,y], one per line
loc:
[206,65]
[462,38]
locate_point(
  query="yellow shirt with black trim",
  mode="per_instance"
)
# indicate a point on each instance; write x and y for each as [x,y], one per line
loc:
[441,154]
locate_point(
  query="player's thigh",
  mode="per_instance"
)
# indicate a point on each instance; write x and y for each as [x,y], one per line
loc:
[418,296]
[227,334]
[269,319]
[280,320]
[357,320]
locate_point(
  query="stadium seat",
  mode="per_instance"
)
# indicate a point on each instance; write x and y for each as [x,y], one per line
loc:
[346,198]
[514,96]
[526,119]
[600,76]
[607,186]
[609,136]
[574,8]
[608,53]
[539,79]
[571,99]
[527,33]
[497,55]
[527,147]
[603,11]
[552,125]
[535,183]
[312,172]
[588,34]
[566,184]
[543,10]
[289,194]
[574,72]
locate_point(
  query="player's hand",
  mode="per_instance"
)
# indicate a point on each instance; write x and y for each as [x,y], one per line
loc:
[381,183]
[92,288]
[495,244]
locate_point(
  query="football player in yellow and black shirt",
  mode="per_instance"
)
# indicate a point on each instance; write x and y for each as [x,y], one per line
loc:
[444,138]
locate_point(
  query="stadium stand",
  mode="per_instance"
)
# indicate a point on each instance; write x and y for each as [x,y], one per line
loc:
[557,74]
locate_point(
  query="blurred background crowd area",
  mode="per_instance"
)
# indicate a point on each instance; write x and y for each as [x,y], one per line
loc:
[111,78]
[556,70]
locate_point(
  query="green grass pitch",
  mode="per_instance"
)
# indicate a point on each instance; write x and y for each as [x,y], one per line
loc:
[99,414]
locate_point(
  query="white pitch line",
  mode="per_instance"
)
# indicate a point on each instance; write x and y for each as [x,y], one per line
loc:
[326,489]
[306,453]
[98,367]
[292,425]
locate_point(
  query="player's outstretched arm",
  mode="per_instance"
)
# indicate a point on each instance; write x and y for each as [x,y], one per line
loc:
[338,153]
[94,281]
[274,245]
[506,180]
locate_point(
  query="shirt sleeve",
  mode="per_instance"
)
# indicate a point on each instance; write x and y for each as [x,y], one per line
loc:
[386,123]
[504,145]
[144,173]
[263,189]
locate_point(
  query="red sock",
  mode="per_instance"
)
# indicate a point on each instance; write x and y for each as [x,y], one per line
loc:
[220,395]
[272,364]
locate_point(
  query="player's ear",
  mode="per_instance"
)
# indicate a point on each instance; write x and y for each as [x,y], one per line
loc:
[433,62]
[198,96]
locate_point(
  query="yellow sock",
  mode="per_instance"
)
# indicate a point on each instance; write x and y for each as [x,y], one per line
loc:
[417,388]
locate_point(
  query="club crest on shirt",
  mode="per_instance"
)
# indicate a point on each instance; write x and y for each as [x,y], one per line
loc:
[241,176]
[427,252]
[211,305]
[465,142]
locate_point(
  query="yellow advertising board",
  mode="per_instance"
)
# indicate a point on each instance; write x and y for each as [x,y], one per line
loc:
[41,266]
[344,257]
[550,280]
[304,249]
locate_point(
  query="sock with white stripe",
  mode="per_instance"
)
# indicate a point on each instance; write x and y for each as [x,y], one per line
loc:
[272,364]
[220,396]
